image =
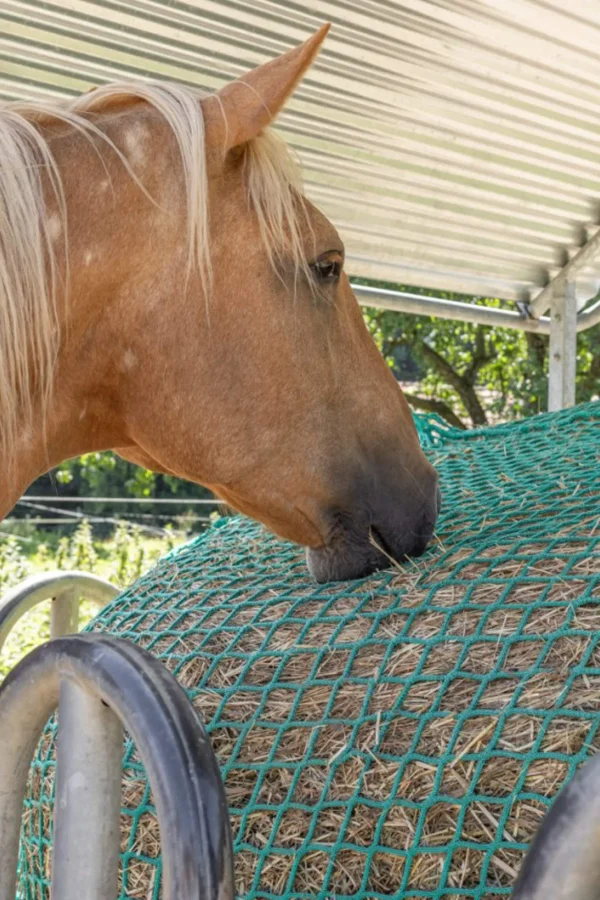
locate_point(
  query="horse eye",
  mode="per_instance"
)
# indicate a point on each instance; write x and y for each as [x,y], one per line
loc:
[327,271]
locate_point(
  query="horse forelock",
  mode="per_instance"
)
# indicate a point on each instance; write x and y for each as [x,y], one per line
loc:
[31,282]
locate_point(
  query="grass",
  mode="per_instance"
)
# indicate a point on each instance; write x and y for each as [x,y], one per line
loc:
[121,558]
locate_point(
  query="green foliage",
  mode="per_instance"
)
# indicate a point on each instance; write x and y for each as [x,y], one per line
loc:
[31,630]
[123,558]
[14,566]
[81,549]
[474,374]
[107,475]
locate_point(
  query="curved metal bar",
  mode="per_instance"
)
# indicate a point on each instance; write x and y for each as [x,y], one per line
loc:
[589,317]
[563,862]
[65,588]
[174,747]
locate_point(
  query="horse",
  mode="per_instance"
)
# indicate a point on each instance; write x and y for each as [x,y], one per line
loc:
[167,291]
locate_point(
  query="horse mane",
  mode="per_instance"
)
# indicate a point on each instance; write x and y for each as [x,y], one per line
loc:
[31,283]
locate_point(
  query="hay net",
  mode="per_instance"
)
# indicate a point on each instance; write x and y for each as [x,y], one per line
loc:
[401,735]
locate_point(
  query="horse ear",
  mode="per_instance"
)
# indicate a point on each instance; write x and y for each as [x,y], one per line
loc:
[246,106]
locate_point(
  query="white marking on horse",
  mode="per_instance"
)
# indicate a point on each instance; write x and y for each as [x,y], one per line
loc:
[136,137]
[54,227]
[129,360]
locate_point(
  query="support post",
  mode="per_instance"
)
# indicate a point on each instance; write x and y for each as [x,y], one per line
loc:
[88,797]
[563,348]
[64,616]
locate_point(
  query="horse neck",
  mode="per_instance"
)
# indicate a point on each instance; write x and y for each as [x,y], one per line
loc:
[98,263]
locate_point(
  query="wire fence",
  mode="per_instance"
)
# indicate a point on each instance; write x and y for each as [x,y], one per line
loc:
[45,512]
[156,501]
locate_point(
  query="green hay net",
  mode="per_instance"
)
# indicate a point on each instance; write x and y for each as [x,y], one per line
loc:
[402,735]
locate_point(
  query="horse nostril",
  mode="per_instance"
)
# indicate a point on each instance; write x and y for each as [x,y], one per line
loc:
[419,548]
[379,542]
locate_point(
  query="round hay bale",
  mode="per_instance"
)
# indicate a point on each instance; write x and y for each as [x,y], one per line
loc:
[403,734]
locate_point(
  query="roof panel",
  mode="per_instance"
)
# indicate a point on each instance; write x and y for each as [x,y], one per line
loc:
[454,143]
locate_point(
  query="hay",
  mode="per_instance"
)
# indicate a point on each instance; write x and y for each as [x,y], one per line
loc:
[370,681]
[401,734]
[387,777]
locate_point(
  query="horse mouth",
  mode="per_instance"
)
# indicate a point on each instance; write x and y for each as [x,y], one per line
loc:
[346,560]
[381,530]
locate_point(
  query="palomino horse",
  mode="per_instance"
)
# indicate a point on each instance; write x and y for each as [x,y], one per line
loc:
[167,291]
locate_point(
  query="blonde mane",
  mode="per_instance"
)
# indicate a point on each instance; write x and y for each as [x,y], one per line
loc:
[32,286]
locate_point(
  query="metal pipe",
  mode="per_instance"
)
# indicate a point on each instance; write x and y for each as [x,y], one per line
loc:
[416,304]
[88,797]
[62,587]
[589,317]
[64,613]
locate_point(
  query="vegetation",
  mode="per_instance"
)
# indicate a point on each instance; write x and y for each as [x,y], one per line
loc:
[105,475]
[121,558]
[472,375]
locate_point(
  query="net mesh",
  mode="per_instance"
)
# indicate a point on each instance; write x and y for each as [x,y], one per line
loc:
[399,735]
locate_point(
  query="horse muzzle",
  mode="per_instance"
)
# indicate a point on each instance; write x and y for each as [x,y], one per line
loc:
[377,532]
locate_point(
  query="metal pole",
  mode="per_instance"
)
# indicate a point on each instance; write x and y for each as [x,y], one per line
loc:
[588,317]
[88,797]
[420,305]
[16,602]
[563,348]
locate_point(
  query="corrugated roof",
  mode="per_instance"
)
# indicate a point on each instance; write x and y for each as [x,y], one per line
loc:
[455,143]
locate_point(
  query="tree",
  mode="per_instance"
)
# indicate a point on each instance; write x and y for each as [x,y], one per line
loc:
[473,374]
